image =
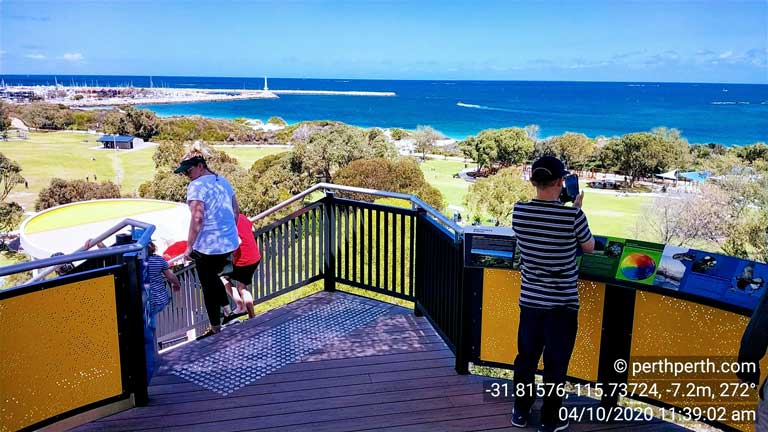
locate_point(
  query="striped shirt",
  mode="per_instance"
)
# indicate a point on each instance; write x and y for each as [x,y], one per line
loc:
[548,236]
[158,293]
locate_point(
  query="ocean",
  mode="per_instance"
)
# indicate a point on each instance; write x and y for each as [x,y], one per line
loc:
[729,114]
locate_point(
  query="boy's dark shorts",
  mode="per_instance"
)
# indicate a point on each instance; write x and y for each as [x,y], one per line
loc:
[243,274]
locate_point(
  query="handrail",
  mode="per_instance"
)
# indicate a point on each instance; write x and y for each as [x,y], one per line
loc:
[458,230]
[53,263]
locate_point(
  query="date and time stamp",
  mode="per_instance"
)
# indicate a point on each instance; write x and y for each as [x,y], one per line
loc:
[708,393]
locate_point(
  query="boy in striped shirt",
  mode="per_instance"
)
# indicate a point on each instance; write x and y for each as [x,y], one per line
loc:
[549,235]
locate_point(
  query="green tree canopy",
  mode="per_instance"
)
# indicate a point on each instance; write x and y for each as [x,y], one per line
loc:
[62,191]
[332,148]
[277,121]
[635,155]
[398,134]
[496,195]
[10,176]
[402,175]
[501,148]
[5,117]
[571,148]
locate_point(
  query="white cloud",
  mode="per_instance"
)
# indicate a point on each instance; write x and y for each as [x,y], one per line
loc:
[35,56]
[726,54]
[73,57]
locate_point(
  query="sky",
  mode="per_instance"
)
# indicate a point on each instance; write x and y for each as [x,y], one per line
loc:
[619,40]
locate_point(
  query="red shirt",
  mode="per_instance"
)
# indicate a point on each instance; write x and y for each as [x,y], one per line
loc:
[248,252]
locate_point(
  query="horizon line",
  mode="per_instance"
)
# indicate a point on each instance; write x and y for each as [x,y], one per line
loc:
[391,79]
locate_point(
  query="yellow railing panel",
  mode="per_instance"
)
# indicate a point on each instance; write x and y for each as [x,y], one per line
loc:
[501,313]
[59,351]
[666,327]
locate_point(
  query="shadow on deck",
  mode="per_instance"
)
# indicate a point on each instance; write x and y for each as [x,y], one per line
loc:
[328,362]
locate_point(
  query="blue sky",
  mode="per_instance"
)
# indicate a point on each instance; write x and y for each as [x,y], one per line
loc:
[685,41]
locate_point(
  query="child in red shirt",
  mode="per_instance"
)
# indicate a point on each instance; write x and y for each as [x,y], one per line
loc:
[245,260]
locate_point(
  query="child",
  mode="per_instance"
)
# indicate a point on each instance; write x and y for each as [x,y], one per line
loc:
[246,259]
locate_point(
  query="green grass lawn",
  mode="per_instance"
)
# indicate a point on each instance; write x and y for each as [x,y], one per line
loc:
[439,173]
[612,215]
[71,156]
[57,154]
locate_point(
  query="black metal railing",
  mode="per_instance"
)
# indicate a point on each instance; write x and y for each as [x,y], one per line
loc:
[374,246]
[292,251]
[439,261]
[412,254]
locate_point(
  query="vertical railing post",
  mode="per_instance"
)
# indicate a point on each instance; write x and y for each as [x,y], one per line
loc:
[329,265]
[465,309]
[138,362]
[419,262]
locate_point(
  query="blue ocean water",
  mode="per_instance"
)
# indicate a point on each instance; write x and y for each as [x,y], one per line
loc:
[730,114]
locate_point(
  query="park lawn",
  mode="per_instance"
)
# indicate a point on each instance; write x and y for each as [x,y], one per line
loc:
[613,215]
[137,167]
[55,154]
[246,156]
[439,173]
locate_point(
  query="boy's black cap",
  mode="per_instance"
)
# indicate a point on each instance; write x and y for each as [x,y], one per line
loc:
[188,163]
[548,168]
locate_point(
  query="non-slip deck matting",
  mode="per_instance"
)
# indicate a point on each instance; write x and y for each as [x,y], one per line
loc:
[234,367]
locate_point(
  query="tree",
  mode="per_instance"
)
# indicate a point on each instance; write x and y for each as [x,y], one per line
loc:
[424,139]
[398,134]
[732,214]
[676,152]
[402,175]
[62,191]
[10,216]
[532,130]
[635,155]
[5,117]
[45,116]
[494,148]
[571,148]
[166,185]
[496,195]
[332,148]
[168,155]
[10,176]
[277,121]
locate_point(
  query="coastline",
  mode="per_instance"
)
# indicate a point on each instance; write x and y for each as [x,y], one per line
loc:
[115,96]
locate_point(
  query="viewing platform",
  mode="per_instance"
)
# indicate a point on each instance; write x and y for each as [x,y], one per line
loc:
[329,362]
[375,317]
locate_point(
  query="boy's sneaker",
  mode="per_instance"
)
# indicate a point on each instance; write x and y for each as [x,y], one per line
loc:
[559,426]
[519,419]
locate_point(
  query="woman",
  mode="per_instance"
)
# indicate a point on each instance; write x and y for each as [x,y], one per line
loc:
[212,230]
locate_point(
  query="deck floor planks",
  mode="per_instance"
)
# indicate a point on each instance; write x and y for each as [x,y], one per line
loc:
[392,374]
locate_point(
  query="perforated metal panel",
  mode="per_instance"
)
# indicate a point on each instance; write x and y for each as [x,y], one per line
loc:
[234,367]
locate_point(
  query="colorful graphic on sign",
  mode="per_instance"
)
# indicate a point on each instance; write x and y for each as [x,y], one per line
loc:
[604,261]
[671,268]
[639,262]
[719,277]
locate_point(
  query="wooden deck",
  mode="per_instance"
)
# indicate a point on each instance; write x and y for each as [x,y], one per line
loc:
[392,373]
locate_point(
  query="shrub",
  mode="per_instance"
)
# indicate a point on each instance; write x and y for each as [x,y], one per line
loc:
[62,191]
